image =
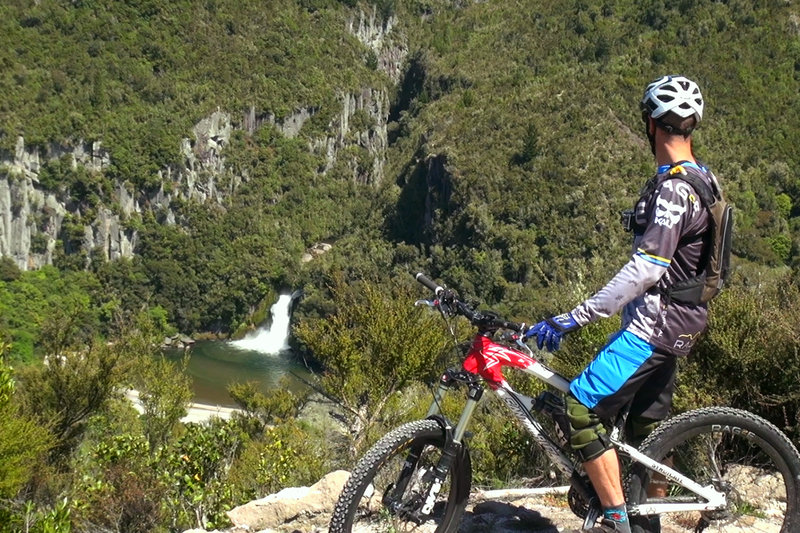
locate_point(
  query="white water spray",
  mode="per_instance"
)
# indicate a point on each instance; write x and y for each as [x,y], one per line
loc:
[275,338]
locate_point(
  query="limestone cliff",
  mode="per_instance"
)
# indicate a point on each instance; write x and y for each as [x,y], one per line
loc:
[33,218]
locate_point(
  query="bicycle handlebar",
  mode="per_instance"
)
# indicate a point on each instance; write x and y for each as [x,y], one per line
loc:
[483,320]
[428,282]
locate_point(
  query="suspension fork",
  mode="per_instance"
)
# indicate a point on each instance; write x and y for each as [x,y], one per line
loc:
[454,441]
[453,446]
[474,396]
[475,390]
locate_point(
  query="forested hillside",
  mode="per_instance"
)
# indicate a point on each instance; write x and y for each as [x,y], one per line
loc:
[489,144]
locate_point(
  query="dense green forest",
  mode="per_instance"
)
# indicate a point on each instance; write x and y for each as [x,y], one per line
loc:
[513,140]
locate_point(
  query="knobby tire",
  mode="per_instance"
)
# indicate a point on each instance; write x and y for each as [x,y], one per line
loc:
[741,454]
[360,508]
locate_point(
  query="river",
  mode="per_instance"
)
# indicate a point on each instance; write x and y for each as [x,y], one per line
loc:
[263,356]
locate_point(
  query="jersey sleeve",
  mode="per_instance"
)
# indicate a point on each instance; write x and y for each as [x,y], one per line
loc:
[670,210]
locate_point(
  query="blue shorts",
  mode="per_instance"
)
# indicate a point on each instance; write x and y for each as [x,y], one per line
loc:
[628,369]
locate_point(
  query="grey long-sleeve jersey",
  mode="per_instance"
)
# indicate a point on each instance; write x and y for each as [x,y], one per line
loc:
[669,249]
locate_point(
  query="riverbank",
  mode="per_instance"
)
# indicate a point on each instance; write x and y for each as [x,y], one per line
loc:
[196,412]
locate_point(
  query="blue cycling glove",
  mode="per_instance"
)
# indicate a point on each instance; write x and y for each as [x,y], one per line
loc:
[548,333]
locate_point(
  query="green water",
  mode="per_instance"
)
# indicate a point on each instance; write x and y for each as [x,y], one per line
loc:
[213,365]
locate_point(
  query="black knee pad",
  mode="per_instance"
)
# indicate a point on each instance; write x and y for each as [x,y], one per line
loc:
[587,433]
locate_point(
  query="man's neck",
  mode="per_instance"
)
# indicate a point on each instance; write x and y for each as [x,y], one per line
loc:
[672,149]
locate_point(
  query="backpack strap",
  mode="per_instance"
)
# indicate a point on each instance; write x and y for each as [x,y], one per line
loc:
[682,171]
[692,289]
[691,176]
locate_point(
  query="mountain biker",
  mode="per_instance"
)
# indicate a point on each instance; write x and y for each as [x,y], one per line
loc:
[638,364]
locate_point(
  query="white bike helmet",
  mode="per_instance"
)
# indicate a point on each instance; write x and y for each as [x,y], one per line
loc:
[673,93]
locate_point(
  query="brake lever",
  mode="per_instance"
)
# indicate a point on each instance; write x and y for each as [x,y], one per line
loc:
[517,339]
[541,355]
[522,344]
[515,335]
[436,304]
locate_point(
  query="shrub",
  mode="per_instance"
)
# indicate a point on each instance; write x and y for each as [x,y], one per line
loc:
[22,443]
[287,455]
[750,356]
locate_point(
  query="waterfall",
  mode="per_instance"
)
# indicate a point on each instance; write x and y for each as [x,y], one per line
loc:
[275,338]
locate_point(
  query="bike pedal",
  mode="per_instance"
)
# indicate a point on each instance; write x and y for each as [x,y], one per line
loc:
[592,514]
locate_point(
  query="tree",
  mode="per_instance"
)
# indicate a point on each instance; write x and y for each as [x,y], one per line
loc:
[165,392]
[372,346]
[262,410]
[9,271]
[76,381]
[70,387]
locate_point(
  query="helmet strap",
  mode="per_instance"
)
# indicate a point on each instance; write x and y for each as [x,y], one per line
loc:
[650,136]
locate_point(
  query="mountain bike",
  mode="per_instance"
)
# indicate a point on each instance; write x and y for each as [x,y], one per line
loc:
[713,468]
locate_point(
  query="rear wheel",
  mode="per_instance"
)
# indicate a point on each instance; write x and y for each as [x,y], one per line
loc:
[389,491]
[740,454]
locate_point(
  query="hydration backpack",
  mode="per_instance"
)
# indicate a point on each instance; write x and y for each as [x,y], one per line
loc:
[715,262]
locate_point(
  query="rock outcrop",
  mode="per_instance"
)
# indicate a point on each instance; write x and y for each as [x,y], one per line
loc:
[20,201]
[373,138]
[388,46]
[31,217]
[545,510]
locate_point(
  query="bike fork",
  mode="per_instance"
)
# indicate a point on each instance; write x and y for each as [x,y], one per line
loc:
[434,478]
[474,396]
[453,445]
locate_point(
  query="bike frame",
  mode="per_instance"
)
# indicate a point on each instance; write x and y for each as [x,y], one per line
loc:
[487,359]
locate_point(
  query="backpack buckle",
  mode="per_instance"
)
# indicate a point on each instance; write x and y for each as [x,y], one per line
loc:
[628,219]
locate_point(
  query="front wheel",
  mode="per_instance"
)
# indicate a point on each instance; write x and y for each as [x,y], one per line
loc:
[742,455]
[390,489]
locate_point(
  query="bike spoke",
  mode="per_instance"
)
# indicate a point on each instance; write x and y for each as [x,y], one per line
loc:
[736,458]
[381,509]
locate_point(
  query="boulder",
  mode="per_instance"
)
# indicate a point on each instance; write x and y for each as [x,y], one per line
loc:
[316,250]
[292,505]
[178,341]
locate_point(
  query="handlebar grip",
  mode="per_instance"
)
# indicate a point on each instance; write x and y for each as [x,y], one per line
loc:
[428,282]
[514,326]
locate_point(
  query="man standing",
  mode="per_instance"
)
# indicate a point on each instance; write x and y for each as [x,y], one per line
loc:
[671,233]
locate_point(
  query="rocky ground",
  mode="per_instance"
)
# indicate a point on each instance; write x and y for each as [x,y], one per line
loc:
[307,510]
